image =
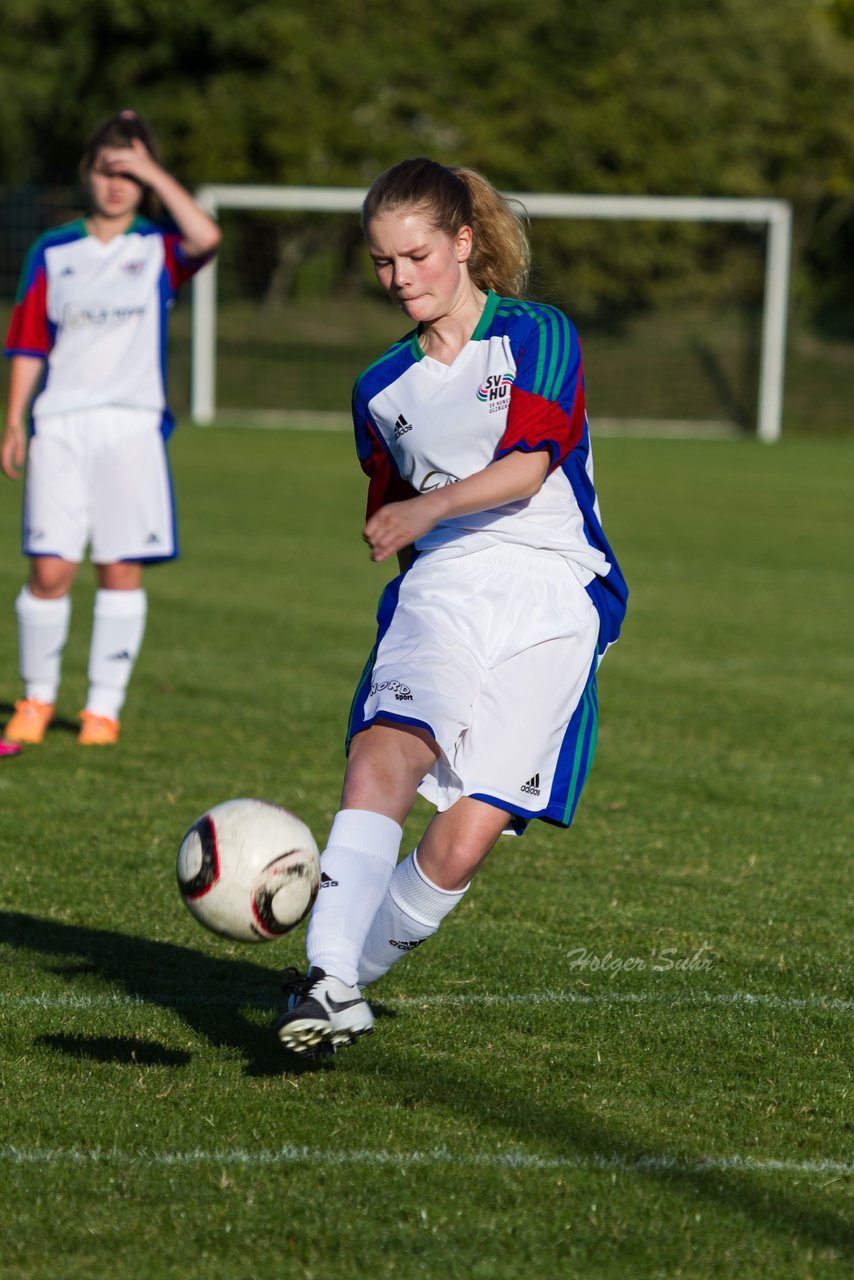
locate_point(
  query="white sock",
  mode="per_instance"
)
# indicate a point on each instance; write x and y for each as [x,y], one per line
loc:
[117,633]
[356,869]
[411,911]
[42,633]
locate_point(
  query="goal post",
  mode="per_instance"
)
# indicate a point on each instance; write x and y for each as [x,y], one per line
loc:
[773,216]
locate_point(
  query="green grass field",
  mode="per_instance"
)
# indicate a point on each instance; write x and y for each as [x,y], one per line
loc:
[627,1054]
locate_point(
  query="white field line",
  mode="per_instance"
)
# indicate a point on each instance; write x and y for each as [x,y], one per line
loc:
[239,999]
[522,1160]
[644,997]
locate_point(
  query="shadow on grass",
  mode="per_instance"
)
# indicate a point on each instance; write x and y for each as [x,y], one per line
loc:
[119,1049]
[7,710]
[208,994]
[562,1129]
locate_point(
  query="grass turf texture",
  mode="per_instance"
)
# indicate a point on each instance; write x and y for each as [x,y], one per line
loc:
[568,1079]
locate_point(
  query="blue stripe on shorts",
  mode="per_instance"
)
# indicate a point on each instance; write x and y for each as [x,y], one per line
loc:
[385,613]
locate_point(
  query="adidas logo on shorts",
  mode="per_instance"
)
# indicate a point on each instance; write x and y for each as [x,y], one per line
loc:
[532,786]
[406,945]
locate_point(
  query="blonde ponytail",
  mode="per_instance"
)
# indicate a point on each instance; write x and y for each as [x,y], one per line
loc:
[501,254]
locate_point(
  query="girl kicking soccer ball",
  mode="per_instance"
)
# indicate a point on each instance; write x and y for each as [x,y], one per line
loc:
[481,690]
[87,342]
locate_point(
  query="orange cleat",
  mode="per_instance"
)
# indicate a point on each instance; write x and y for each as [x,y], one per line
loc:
[97,731]
[29,722]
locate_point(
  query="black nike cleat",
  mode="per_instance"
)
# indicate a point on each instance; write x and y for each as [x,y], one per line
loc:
[321,1011]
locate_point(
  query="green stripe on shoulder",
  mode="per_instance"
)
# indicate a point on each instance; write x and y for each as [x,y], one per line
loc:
[54,235]
[62,232]
[555,345]
[394,350]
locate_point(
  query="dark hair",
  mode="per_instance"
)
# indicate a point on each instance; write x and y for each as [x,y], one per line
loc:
[456,198]
[120,131]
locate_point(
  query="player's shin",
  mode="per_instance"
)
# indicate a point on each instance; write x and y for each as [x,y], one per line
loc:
[410,912]
[117,631]
[42,633]
[355,872]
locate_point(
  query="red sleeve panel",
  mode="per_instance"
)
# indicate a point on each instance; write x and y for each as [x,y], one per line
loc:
[534,423]
[178,266]
[385,481]
[29,331]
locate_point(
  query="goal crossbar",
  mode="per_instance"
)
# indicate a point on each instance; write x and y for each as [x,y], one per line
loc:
[774,215]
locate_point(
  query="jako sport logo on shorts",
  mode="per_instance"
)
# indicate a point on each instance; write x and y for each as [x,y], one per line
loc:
[401,691]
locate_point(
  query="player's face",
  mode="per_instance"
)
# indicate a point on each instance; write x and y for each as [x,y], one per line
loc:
[421,269]
[114,195]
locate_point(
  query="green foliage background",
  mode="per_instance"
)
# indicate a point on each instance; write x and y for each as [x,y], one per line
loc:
[723,97]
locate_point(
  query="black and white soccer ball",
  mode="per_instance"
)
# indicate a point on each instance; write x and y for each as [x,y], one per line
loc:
[249,870]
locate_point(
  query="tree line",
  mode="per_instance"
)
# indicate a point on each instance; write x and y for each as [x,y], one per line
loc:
[684,97]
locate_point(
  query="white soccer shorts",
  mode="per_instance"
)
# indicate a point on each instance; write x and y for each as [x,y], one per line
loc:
[495,654]
[99,478]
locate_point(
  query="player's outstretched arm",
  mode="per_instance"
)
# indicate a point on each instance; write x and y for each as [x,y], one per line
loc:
[200,235]
[399,524]
[24,376]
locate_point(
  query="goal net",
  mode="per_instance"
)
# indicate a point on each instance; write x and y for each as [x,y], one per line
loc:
[681,305]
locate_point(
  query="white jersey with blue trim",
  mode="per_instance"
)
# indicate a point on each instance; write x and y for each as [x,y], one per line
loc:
[517,384]
[97,312]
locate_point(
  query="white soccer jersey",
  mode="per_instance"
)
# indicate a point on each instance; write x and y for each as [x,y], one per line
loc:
[517,384]
[97,313]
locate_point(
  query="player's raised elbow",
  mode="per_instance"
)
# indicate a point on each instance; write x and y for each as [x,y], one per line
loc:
[204,242]
[211,239]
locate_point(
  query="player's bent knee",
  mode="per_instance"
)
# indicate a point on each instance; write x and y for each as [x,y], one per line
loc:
[450,865]
[384,769]
[51,577]
[124,575]
[458,841]
[391,748]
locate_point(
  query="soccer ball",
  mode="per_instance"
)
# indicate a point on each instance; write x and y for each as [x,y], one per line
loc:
[249,870]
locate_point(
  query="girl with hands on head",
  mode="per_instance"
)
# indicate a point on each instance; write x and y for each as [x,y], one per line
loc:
[86,343]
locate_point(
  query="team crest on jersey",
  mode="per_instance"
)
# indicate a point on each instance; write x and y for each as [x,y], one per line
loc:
[494,391]
[133,268]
